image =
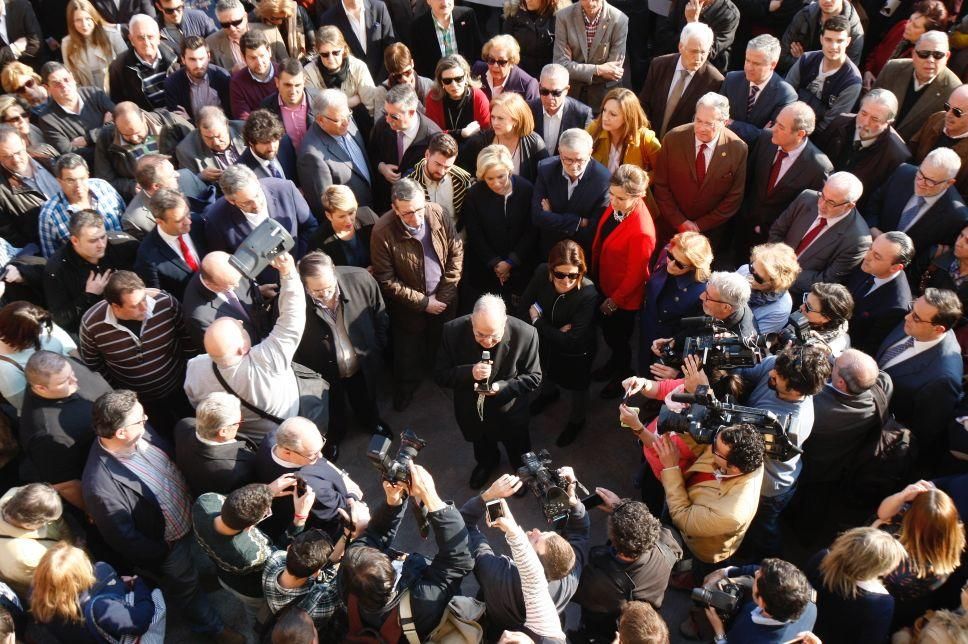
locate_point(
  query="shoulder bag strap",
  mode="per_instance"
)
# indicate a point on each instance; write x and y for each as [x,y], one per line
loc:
[406,619]
[17,364]
[245,403]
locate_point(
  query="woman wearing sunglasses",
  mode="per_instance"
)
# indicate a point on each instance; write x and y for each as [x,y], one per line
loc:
[532,24]
[560,302]
[828,308]
[772,270]
[398,62]
[456,102]
[673,291]
[20,80]
[88,47]
[621,252]
[501,241]
[499,72]
[14,113]
[335,68]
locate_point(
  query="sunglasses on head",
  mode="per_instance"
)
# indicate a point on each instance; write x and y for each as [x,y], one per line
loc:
[565,276]
[335,53]
[957,111]
[451,81]
[29,84]
[232,23]
[170,11]
[551,92]
[498,62]
[924,55]
[756,276]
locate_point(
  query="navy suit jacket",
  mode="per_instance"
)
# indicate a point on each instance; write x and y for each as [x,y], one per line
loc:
[286,158]
[574,114]
[226,227]
[875,315]
[772,98]
[201,307]
[178,93]
[161,267]
[587,201]
[940,224]
[926,388]
[379,34]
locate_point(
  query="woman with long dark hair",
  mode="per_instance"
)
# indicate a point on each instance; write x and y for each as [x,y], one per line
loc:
[456,102]
[26,328]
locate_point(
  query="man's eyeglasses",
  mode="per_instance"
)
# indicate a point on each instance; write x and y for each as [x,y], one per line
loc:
[565,276]
[575,161]
[496,61]
[343,118]
[170,11]
[557,93]
[411,213]
[924,55]
[918,319]
[931,182]
[232,23]
[452,80]
[756,276]
[144,419]
[957,111]
[336,53]
[30,83]
[829,203]
[705,296]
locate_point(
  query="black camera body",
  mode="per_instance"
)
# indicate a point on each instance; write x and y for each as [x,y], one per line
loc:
[796,332]
[725,599]
[715,345]
[707,415]
[395,469]
[546,484]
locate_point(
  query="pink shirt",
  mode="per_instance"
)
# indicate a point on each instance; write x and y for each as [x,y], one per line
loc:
[294,120]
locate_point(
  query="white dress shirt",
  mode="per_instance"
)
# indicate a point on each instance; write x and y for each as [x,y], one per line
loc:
[919,347]
[358,25]
[552,128]
[172,242]
[790,159]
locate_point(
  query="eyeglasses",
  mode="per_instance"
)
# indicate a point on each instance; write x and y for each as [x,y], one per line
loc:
[756,276]
[931,182]
[495,61]
[452,80]
[573,161]
[918,319]
[806,304]
[411,213]
[402,74]
[144,419]
[28,84]
[232,23]
[16,118]
[681,265]
[557,93]
[957,111]
[705,296]
[829,203]
[924,55]
[565,276]
[336,53]
[343,118]
[170,11]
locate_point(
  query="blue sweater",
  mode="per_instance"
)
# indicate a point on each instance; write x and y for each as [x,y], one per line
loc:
[865,618]
[744,630]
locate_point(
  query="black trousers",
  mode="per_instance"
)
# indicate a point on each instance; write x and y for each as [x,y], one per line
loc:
[164,413]
[617,330]
[414,353]
[487,454]
[355,390]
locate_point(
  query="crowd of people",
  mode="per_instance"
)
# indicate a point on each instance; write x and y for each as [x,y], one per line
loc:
[472,192]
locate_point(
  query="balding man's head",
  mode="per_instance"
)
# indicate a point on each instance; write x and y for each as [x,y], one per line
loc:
[227,341]
[218,274]
[854,372]
[298,441]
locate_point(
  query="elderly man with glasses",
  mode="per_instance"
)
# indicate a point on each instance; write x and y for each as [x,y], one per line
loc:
[947,129]
[139,74]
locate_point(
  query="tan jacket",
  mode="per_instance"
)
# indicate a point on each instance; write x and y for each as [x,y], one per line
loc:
[712,516]
[21,550]
[398,263]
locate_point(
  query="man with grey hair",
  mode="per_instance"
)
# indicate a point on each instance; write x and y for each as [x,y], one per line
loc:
[783,163]
[700,174]
[866,144]
[922,83]
[491,362]
[756,94]
[334,152]
[569,193]
[923,202]
[247,202]
[676,81]
[214,146]
[555,112]
[826,231]
[417,258]
[209,450]
[399,141]
[138,75]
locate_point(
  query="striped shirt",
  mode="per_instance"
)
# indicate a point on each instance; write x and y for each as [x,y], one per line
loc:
[156,472]
[152,363]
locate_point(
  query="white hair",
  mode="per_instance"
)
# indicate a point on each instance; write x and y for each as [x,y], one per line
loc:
[576,140]
[734,289]
[140,18]
[328,98]
[847,182]
[698,30]
[944,159]
[490,303]
[938,38]
[716,101]
[883,97]
[236,177]
[767,44]
[554,70]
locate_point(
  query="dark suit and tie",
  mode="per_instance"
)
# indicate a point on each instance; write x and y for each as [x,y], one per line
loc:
[826,256]
[283,166]
[587,201]
[20,21]
[425,47]
[385,148]
[657,96]
[773,185]
[160,265]
[574,113]
[379,33]
[752,109]
[325,160]
[201,306]
[877,311]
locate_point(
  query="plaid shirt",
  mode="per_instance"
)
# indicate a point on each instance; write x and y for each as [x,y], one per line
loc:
[277,597]
[55,215]
[157,472]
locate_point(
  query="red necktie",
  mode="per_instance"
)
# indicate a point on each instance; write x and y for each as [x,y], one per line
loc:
[775,170]
[701,164]
[811,235]
[187,254]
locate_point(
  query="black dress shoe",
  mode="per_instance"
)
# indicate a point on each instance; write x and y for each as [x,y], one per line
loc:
[612,390]
[479,477]
[541,403]
[331,452]
[402,400]
[383,429]
[568,436]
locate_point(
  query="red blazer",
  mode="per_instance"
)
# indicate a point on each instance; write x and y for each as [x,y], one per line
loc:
[621,261]
[434,109]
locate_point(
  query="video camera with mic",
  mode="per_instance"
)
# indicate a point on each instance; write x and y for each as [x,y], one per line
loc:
[714,344]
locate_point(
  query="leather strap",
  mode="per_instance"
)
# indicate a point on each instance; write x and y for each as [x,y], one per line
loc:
[245,403]
[13,362]
[406,619]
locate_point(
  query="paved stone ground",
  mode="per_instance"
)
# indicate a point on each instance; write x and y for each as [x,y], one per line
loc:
[603,455]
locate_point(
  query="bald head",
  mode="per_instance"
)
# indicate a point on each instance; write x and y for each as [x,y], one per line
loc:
[299,441]
[217,274]
[854,372]
[226,341]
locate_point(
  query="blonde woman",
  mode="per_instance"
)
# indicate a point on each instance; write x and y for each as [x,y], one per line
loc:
[75,601]
[88,47]
[512,125]
[499,72]
[348,242]
[622,133]
[336,68]
[20,80]
[771,272]
[853,605]
[14,114]
[293,24]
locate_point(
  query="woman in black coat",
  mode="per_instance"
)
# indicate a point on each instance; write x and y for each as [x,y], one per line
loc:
[347,237]
[512,125]
[560,302]
[501,240]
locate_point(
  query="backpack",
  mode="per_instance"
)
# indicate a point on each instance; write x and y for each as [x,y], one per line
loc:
[390,631]
[885,461]
[458,625]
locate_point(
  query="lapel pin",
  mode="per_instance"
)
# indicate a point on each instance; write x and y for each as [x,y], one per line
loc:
[722,154]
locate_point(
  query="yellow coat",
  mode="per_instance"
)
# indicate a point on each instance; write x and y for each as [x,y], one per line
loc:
[642,150]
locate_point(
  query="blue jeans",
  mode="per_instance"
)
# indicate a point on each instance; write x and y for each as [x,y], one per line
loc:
[763,539]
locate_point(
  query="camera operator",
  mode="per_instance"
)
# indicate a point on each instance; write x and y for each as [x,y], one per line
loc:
[634,564]
[370,585]
[562,556]
[780,605]
[726,300]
